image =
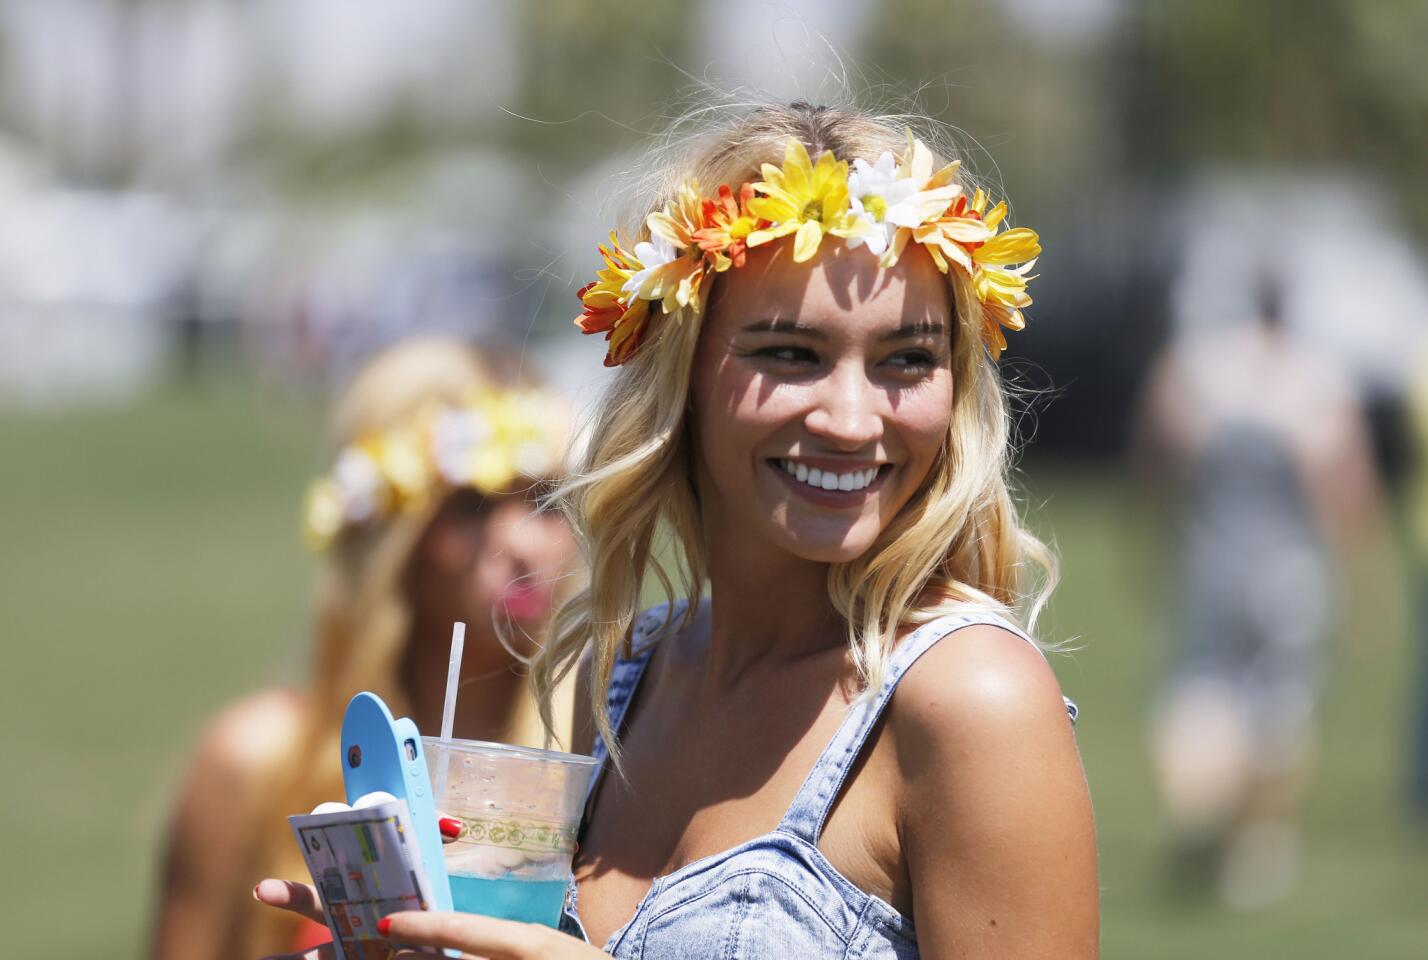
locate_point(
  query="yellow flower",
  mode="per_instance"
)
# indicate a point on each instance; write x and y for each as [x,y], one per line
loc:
[402,460]
[322,515]
[674,265]
[967,236]
[804,198]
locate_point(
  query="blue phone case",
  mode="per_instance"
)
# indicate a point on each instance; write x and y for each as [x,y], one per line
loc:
[383,753]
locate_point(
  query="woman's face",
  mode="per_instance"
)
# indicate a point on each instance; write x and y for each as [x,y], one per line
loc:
[482,559]
[822,394]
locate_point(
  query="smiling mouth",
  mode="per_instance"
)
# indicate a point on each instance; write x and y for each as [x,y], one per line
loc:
[850,481]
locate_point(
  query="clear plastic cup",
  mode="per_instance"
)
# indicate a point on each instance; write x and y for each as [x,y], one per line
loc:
[519,811]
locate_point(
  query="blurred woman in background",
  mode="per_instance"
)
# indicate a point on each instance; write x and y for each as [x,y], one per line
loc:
[425,519]
[1266,455]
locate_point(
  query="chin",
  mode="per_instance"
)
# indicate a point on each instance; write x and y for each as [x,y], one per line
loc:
[824,546]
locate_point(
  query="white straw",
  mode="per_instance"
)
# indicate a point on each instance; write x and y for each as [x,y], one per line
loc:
[453,677]
[448,710]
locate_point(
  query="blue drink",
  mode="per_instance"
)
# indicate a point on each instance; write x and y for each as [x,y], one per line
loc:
[519,811]
[509,898]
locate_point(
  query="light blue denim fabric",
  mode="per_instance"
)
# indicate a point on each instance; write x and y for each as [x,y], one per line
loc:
[774,896]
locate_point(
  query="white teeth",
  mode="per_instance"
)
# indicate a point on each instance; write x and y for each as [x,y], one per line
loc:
[827,479]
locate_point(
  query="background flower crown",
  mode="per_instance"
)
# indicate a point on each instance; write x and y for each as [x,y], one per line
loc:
[880,206]
[485,443]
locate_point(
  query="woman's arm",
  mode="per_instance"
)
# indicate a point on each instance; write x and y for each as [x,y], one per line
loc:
[234,756]
[995,815]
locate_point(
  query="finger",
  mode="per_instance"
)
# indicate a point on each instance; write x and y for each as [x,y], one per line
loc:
[486,936]
[450,829]
[299,898]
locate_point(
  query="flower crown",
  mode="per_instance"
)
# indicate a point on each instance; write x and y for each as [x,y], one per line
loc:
[880,206]
[485,443]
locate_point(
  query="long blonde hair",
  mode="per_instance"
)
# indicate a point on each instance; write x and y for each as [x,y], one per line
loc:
[363,621]
[957,543]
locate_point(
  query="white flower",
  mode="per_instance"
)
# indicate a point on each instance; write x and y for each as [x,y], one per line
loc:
[454,436]
[652,254]
[886,196]
[358,482]
[879,198]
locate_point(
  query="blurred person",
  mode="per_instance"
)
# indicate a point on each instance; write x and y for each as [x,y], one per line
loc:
[1260,454]
[1418,703]
[852,746]
[427,518]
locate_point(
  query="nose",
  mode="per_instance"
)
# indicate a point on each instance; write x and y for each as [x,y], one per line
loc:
[847,409]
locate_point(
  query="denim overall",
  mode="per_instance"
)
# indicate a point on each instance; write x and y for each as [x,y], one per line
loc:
[774,896]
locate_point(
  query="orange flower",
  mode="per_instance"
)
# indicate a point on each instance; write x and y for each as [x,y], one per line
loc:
[608,310]
[729,223]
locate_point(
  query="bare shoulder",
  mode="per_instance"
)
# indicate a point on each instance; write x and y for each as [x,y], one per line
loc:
[239,751]
[994,815]
[975,688]
[251,735]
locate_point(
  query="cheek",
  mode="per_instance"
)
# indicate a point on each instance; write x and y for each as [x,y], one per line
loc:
[923,421]
[740,409]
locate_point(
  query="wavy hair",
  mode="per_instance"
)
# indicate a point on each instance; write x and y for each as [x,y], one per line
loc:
[958,542]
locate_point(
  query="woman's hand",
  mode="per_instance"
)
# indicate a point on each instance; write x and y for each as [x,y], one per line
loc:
[301,899]
[483,937]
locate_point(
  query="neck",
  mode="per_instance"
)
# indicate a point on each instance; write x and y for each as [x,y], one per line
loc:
[766,604]
[493,703]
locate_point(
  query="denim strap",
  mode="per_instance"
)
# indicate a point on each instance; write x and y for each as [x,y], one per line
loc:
[815,798]
[625,677]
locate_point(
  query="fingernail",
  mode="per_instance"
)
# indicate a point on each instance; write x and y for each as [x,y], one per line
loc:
[255,891]
[384,926]
[450,827]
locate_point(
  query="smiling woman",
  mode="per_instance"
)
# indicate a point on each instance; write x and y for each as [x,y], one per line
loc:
[851,747]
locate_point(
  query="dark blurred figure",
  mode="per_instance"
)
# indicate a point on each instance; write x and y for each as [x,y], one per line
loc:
[1261,457]
[1418,757]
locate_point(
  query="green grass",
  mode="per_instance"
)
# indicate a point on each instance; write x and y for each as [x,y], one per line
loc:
[150,570]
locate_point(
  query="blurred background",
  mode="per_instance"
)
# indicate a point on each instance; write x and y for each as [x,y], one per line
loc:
[211,211]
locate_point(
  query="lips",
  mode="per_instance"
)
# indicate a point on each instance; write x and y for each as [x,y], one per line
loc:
[526,601]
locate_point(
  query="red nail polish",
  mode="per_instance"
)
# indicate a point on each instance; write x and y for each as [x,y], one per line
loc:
[450,827]
[384,926]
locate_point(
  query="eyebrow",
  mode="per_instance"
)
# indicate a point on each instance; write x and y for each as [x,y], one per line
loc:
[776,325]
[934,328]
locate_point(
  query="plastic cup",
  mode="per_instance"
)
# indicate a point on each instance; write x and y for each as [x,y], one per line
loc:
[519,811]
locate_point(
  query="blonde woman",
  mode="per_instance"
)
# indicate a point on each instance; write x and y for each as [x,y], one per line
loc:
[851,748]
[425,519]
